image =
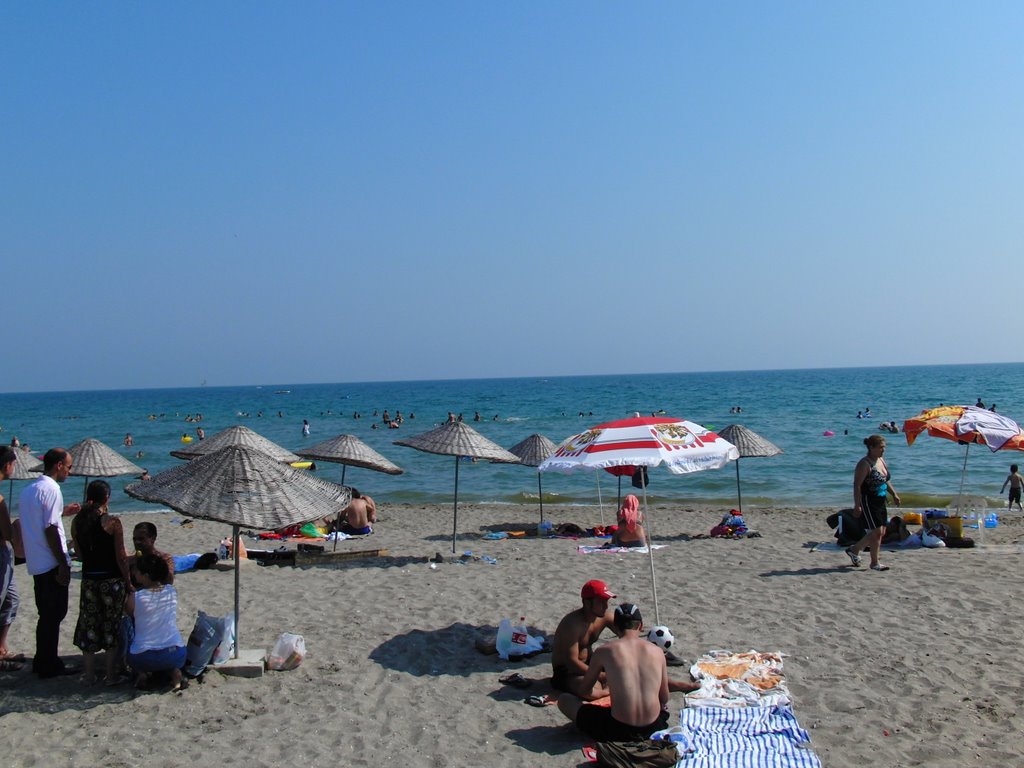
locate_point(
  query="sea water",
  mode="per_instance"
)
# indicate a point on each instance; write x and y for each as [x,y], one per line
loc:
[792,408]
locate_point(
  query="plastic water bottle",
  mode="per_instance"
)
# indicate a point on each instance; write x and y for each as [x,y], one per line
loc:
[519,636]
[503,642]
[991,520]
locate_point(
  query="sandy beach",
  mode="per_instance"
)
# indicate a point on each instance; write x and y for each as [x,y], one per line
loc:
[917,666]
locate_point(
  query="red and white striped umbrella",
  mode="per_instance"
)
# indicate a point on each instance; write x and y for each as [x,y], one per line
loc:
[643,441]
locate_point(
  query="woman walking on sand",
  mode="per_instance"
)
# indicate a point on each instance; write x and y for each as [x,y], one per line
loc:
[872,484]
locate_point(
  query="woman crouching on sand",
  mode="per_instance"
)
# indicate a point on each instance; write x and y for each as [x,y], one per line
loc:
[872,483]
[630,531]
[157,645]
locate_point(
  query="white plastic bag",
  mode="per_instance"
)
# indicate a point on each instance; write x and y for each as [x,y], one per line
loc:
[227,641]
[287,653]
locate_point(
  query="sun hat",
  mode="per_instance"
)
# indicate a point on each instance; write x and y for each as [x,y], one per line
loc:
[596,588]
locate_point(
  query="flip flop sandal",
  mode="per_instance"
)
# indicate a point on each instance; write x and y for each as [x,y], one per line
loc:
[14,657]
[854,557]
[539,701]
[879,567]
[516,680]
[9,665]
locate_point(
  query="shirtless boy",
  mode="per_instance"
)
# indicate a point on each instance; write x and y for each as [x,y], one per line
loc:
[636,677]
[575,637]
[357,516]
[1016,483]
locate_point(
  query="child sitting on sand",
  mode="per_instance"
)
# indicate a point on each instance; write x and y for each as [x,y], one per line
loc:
[157,645]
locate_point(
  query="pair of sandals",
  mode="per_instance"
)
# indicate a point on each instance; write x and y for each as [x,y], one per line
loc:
[12,662]
[516,680]
[855,561]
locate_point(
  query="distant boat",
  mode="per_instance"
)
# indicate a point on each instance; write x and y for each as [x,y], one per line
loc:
[282,391]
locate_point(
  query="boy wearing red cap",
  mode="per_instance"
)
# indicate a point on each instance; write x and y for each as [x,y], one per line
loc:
[575,637]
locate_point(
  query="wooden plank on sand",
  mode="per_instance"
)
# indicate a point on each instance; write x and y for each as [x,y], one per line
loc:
[317,558]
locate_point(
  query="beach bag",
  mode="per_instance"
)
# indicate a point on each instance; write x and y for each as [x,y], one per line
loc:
[651,753]
[287,653]
[640,479]
[226,646]
[202,643]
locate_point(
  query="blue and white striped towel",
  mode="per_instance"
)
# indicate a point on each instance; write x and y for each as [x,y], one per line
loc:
[747,737]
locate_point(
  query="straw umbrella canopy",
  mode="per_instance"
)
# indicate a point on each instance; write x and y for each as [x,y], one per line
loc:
[457,439]
[239,485]
[349,450]
[91,458]
[750,445]
[24,469]
[531,452]
[236,435]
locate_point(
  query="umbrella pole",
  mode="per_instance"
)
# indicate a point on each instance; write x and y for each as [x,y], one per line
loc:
[963,474]
[234,549]
[650,557]
[343,468]
[618,498]
[455,506]
[540,495]
[739,496]
[600,503]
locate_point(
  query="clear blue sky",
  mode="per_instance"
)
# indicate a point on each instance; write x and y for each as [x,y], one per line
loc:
[257,192]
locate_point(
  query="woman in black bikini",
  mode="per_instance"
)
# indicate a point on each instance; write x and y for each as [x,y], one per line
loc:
[872,483]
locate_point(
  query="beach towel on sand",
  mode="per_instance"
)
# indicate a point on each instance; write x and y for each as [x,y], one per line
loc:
[585,550]
[751,679]
[754,737]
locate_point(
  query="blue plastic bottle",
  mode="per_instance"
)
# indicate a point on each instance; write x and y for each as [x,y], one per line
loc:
[991,520]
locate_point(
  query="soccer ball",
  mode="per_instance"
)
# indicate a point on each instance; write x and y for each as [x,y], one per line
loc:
[661,636]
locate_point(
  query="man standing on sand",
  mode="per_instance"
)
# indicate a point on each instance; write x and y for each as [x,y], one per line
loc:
[636,677]
[575,637]
[46,557]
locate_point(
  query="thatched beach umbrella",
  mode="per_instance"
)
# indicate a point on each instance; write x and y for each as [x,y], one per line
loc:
[750,445]
[237,435]
[240,486]
[349,450]
[91,458]
[457,439]
[531,452]
[25,468]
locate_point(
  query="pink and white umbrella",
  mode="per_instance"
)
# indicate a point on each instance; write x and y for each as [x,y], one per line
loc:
[643,441]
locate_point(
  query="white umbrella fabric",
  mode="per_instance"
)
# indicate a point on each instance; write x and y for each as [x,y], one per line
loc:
[643,441]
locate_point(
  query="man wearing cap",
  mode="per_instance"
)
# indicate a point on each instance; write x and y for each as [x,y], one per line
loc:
[576,634]
[635,675]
